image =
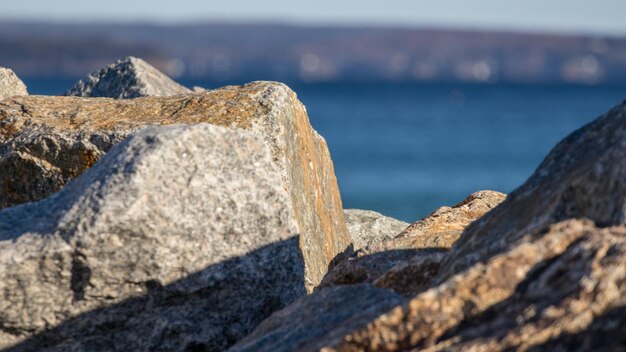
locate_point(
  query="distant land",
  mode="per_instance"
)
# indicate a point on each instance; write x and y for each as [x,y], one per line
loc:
[218,52]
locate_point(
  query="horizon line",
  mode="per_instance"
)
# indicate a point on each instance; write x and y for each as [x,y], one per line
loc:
[308,23]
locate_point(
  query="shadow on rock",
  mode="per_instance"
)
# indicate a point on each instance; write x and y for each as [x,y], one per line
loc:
[174,318]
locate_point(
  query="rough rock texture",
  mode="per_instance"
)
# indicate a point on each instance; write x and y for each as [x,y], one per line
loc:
[545,270]
[413,276]
[366,269]
[443,227]
[180,237]
[562,289]
[424,240]
[367,227]
[10,84]
[584,176]
[46,141]
[319,319]
[129,77]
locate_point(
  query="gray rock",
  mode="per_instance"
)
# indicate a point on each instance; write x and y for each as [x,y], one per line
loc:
[180,238]
[319,319]
[367,227]
[126,78]
[10,84]
[47,141]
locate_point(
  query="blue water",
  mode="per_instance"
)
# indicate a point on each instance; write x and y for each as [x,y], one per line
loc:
[406,149]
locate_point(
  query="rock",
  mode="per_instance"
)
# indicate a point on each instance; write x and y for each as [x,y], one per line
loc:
[584,176]
[367,227]
[413,276]
[126,78]
[560,289]
[319,319]
[442,228]
[365,269]
[180,238]
[424,240]
[545,270]
[46,141]
[10,84]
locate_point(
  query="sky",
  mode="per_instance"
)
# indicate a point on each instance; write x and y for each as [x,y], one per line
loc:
[569,16]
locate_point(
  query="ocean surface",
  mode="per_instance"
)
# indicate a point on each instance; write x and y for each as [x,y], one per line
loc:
[406,149]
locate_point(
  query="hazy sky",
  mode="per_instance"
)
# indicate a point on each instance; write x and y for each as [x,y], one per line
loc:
[583,16]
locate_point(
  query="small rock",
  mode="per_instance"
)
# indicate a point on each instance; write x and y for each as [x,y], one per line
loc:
[442,228]
[126,78]
[427,238]
[10,84]
[319,319]
[367,227]
[181,237]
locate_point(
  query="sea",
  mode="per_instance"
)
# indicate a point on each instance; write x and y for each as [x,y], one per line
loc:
[406,149]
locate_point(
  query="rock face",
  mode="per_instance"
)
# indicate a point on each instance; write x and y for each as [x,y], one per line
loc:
[319,319]
[367,227]
[127,78]
[545,270]
[561,289]
[10,84]
[180,238]
[442,228]
[584,176]
[424,241]
[46,141]
[365,269]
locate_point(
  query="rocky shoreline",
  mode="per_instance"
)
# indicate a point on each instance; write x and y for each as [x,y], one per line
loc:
[136,214]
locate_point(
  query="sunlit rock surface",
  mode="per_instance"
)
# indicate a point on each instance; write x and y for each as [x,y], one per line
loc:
[47,141]
[180,237]
[10,84]
[126,78]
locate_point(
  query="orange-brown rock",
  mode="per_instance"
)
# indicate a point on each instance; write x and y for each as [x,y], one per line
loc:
[444,226]
[426,238]
[562,288]
[47,141]
[545,270]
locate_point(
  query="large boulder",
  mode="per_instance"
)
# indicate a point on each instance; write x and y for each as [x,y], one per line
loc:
[46,141]
[129,77]
[180,238]
[545,270]
[367,227]
[10,84]
[319,319]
